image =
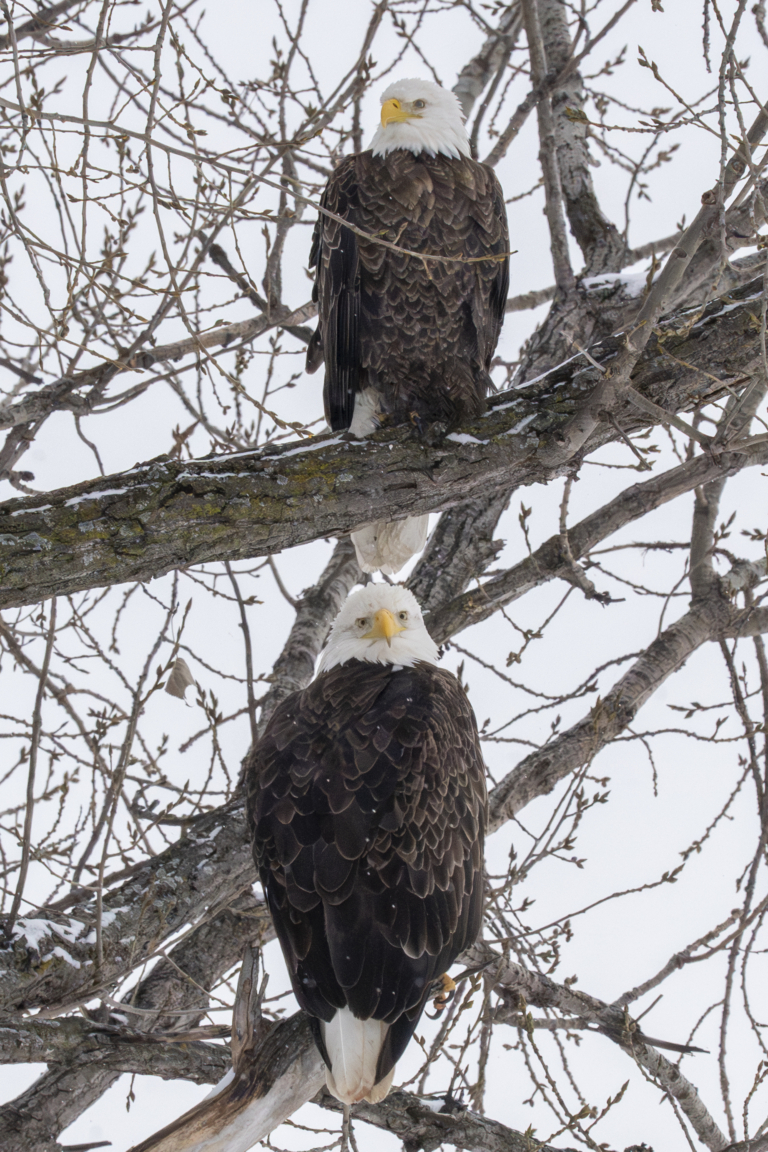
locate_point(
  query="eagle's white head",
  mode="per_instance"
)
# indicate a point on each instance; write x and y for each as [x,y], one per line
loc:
[381,623]
[422,117]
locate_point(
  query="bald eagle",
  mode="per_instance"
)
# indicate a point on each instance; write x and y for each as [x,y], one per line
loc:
[406,340]
[367,805]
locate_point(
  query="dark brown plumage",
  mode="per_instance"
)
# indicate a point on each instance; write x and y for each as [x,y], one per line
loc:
[422,334]
[367,805]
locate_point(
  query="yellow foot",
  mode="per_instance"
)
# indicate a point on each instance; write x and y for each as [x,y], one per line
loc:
[417,422]
[444,989]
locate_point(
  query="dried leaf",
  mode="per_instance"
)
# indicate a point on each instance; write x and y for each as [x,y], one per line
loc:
[577,115]
[180,679]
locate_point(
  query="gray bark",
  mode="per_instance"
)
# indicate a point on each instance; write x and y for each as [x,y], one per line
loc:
[548,562]
[429,1124]
[283,1073]
[88,1058]
[538,773]
[475,75]
[459,549]
[171,514]
[70,1040]
[533,989]
[602,246]
[316,611]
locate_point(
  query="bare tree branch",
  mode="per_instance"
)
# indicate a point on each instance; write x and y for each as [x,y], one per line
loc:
[547,562]
[166,515]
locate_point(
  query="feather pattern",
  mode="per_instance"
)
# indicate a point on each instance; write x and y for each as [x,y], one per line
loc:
[421,334]
[367,805]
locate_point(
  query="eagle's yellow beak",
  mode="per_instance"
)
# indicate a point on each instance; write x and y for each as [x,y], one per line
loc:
[392,112]
[384,626]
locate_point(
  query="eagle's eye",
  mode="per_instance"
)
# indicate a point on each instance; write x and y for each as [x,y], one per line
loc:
[362,622]
[402,617]
[419,103]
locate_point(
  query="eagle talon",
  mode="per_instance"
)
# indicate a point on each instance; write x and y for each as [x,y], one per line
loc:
[445,990]
[417,422]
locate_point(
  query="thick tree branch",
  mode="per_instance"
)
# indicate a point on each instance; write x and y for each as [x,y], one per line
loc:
[610,392]
[547,562]
[538,773]
[86,1057]
[537,990]
[284,1071]
[77,1042]
[478,72]
[271,1082]
[602,246]
[548,151]
[459,549]
[171,514]
[429,1123]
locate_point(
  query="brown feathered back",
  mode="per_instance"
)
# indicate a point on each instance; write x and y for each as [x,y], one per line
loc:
[367,804]
[421,333]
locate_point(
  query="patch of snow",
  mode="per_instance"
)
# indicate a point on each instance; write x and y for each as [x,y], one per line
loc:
[633,284]
[725,308]
[227,1078]
[62,952]
[107,917]
[520,425]
[33,931]
[433,1105]
[209,475]
[305,448]
[528,383]
[29,511]
[271,460]
[463,438]
[97,495]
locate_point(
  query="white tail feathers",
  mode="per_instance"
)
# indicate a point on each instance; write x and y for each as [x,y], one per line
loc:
[386,545]
[353,1048]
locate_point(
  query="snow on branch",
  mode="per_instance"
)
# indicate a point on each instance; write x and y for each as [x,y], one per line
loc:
[169,514]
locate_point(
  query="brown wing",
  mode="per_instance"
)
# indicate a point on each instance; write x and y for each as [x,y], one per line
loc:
[422,333]
[497,229]
[337,293]
[368,809]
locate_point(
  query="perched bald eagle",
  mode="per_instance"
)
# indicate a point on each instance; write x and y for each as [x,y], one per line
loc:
[367,804]
[406,340]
